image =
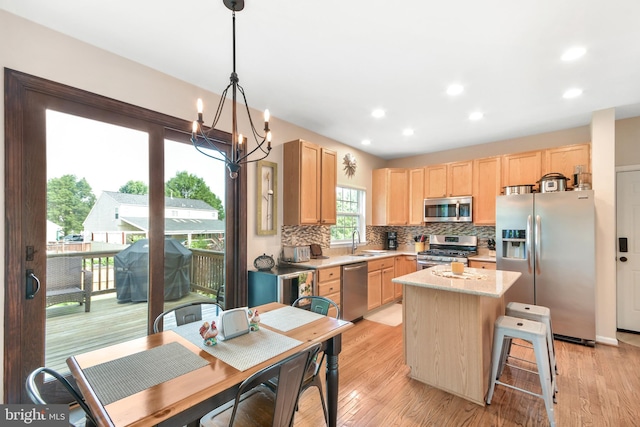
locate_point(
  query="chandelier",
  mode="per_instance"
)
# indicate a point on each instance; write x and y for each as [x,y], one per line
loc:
[203,141]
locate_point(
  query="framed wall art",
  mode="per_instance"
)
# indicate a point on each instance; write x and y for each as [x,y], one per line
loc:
[267,197]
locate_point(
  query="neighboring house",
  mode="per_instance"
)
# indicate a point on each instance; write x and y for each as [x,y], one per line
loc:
[117,216]
[54,232]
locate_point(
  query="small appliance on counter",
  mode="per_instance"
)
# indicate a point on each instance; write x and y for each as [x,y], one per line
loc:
[296,253]
[391,242]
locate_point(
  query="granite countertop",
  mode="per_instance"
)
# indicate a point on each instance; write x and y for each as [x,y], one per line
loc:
[335,261]
[490,283]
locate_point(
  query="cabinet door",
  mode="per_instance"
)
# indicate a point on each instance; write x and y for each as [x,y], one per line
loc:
[564,159]
[374,291]
[310,161]
[328,181]
[404,264]
[397,197]
[387,284]
[522,168]
[435,181]
[416,196]
[486,186]
[460,179]
[486,265]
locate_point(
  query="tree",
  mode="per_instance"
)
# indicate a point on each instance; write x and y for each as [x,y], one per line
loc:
[134,187]
[69,201]
[187,186]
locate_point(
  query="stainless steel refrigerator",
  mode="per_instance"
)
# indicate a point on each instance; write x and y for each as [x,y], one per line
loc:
[550,239]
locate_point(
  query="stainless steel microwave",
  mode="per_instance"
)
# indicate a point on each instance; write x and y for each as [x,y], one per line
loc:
[448,209]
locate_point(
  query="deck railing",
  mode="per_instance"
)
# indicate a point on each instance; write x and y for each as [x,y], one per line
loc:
[207,269]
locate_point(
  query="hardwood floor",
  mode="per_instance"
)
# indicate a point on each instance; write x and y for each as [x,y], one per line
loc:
[597,387]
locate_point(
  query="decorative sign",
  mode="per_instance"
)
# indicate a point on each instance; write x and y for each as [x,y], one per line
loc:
[267,197]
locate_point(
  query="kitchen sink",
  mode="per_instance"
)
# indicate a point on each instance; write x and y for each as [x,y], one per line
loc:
[365,254]
[374,251]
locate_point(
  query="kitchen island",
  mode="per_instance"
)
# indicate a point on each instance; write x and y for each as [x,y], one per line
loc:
[448,326]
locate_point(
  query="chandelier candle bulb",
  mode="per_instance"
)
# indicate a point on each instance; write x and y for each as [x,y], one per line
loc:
[200,108]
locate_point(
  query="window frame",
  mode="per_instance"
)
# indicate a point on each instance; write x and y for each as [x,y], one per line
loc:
[362,198]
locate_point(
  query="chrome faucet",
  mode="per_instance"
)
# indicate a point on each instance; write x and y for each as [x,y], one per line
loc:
[354,245]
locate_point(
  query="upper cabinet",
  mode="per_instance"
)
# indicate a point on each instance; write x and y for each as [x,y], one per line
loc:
[564,159]
[416,196]
[310,174]
[449,180]
[486,186]
[390,197]
[522,168]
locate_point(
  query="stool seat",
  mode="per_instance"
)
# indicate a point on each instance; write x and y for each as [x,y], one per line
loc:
[509,327]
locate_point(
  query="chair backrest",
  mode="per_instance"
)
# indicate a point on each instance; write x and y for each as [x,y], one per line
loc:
[317,304]
[34,393]
[64,271]
[289,373]
[185,313]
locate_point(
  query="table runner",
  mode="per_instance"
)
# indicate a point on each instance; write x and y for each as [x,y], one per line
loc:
[245,351]
[119,378]
[287,318]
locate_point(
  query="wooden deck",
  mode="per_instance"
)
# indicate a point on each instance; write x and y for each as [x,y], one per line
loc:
[70,330]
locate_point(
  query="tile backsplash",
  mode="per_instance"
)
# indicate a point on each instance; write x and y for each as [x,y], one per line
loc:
[321,234]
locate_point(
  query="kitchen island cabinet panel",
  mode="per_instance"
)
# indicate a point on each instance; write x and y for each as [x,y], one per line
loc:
[448,338]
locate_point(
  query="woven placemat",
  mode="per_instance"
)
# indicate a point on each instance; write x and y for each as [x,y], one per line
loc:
[245,351]
[287,318]
[119,378]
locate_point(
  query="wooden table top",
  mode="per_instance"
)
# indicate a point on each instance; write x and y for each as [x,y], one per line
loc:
[165,400]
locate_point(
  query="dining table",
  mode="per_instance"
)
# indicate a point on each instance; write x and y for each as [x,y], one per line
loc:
[172,378]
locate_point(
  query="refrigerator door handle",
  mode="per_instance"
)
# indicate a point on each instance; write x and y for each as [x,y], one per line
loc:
[537,244]
[528,243]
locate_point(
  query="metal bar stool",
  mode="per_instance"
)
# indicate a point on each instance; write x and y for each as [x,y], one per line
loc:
[507,327]
[540,314]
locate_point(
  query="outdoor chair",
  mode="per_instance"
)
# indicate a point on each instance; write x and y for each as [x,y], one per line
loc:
[68,282]
[78,415]
[186,313]
[258,405]
[320,305]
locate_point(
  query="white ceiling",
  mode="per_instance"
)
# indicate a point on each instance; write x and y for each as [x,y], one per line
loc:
[326,64]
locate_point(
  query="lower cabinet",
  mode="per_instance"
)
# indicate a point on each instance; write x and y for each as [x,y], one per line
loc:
[404,264]
[487,265]
[329,286]
[380,288]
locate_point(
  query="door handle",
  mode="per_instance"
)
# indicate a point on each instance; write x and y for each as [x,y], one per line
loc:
[623,259]
[31,279]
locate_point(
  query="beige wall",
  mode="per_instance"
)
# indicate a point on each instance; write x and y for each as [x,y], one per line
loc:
[628,142]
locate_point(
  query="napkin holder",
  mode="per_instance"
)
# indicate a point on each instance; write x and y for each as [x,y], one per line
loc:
[234,323]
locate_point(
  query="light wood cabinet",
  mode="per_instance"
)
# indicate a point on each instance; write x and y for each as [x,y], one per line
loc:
[310,176]
[329,286]
[487,265]
[522,168]
[564,159]
[486,186]
[416,196]
[380,289]
[389,198]
[404,264]
[449,180]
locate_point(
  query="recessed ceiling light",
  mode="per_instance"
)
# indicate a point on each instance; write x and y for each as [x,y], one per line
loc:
[455,89]
[573,53]
[378,113]
[366,142]
[407,132]
[477,115]
[572,93]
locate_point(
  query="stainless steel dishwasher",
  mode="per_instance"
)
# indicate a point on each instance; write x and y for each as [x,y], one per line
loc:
[354,290]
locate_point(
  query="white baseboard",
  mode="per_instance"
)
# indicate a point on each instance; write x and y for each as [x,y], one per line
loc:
[607,340]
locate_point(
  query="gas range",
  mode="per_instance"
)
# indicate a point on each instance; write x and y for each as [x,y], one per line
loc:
[445,249]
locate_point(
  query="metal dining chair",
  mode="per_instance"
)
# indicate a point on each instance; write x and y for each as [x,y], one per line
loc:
[320,305]
[186,313]
[258,405]
[76,418]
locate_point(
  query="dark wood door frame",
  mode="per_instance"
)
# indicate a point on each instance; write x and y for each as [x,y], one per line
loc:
[26,97]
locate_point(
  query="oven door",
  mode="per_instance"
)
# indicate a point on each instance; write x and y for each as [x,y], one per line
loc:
[423,264]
